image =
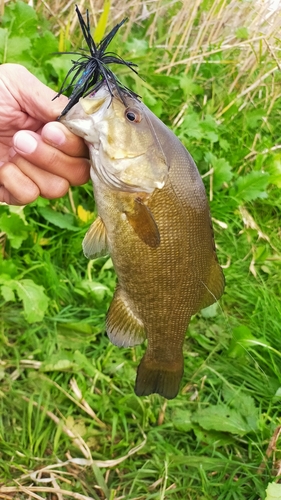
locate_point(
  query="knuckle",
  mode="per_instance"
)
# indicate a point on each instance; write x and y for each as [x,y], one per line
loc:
[81,173]
[52,158]
[18,186]
[56,188]
[7,170]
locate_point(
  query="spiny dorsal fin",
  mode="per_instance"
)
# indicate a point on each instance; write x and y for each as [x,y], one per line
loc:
[143,223]
[95,241]
[123,328]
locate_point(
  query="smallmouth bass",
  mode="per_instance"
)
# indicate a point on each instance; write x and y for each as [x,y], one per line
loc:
[155,223]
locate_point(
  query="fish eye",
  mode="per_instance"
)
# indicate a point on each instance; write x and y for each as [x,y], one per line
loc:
[133,115]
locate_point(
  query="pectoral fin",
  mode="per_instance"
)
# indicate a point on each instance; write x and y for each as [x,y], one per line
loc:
[143,223]
[95,241]
[123,328]
[214,286]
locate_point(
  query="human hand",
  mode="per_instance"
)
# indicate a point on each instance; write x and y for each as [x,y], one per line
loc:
[36,157]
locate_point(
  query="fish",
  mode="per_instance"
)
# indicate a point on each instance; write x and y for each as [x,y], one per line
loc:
[154,221]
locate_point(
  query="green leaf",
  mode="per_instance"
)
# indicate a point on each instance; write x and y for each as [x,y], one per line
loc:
[273,491]
[16,47]
[137,46]
[18,210]
[244,403]
[98,290]
[60,65]
[8,293]
[278,392]
[60,361]
[224,144]
[261,254]
[182,420]
[189,87]
[107,265]
[21,19]
[253,118]
[211,136]
[35,302]
[152,102]
[45,46]
[251,186]
[209,123]
[222,418]
[212,437]
[222,170]
[210,311]
[274,168]
[8,268]
[191,126]
[15,229]
[240,336]
[64,221]
[60,365]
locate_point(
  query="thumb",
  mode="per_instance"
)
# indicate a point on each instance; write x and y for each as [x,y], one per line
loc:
[33,97]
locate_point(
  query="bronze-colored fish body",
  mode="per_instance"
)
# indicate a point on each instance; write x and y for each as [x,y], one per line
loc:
[155,223]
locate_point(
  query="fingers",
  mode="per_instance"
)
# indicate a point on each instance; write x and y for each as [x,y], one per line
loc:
[22,185]
[57,151]
[16,188]
[48,184]
[43,165]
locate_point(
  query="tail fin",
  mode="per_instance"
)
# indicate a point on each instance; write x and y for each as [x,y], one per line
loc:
[158,377]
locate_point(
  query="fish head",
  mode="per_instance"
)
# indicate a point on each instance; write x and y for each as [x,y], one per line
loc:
[125,151]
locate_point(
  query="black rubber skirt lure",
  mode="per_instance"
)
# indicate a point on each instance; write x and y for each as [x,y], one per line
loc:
[91,71]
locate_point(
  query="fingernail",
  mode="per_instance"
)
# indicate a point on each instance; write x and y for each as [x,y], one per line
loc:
[24,142]
[53,134]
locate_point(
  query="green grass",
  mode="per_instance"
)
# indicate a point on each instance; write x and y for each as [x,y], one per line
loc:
[211,440]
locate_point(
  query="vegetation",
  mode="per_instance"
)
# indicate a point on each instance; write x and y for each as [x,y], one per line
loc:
[70,424]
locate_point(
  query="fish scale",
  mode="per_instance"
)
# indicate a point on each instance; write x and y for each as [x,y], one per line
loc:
[157,230]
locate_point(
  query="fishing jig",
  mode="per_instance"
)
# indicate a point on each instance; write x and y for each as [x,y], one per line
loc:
[92,70]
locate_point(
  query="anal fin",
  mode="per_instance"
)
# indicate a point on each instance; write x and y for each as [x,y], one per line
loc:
[95,241]
[123,328]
